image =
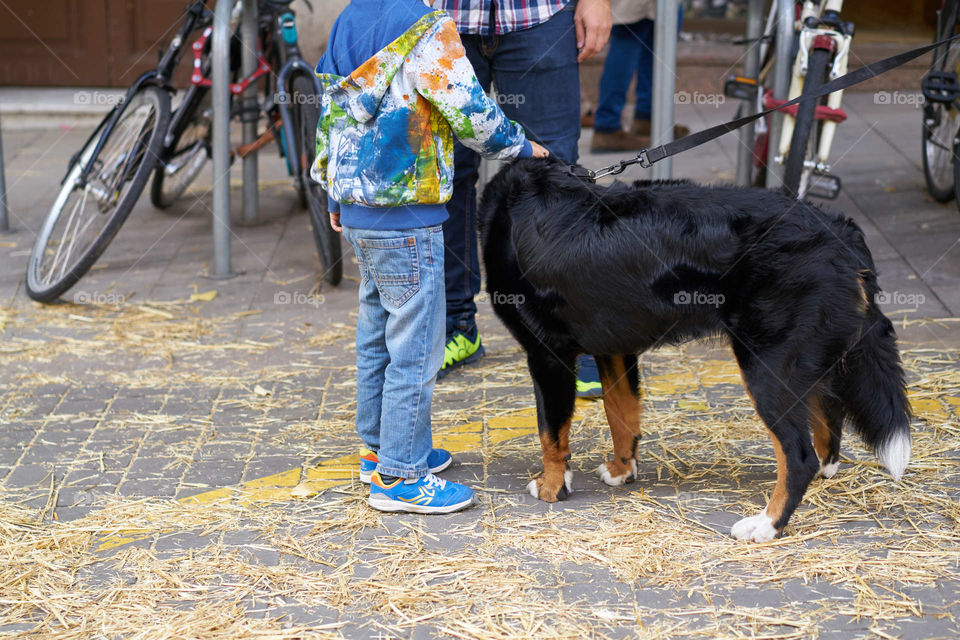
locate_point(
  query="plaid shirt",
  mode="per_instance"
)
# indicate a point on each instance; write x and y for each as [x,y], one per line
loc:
[473,16]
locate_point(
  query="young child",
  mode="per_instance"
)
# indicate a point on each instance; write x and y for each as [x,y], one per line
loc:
[397,87]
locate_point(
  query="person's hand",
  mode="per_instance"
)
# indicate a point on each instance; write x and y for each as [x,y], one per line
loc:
[539,151]
[335,221]
[593,20]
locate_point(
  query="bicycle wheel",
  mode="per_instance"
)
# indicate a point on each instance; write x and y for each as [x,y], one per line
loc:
[803,144]
[940,124]
[306,115]
[86,215]
[185,151]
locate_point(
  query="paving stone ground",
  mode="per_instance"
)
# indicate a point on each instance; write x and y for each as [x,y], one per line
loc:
[152,448]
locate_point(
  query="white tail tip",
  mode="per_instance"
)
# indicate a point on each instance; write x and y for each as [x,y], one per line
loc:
[894,454]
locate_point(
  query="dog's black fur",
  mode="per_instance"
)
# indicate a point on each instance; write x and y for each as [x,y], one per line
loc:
[574,268]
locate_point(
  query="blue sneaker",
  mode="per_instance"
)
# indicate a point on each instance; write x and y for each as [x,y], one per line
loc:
[438,460]
[588,378]
[428,494]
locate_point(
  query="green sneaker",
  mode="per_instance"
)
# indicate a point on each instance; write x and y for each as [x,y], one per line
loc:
[460,350]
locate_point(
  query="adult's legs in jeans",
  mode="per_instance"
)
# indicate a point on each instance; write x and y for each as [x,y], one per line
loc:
[461,257]
[619,68]
[537,76]
[642,34]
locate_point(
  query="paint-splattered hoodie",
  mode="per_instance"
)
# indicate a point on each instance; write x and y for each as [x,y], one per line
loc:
[397,87]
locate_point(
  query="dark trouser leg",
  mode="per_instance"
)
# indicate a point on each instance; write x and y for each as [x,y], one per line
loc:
[461,256]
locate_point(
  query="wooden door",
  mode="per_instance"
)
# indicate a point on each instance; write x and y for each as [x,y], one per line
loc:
[84,42]
[53,42]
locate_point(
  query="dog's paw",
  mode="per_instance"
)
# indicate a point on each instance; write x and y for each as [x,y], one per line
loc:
[758,528]
[828,470]
[624,477]
[541,490]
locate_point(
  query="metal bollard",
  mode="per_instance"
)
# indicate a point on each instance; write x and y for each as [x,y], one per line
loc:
[4,217]
[221,139]
[249,63]
[664,74]
[751,68]
[783,68]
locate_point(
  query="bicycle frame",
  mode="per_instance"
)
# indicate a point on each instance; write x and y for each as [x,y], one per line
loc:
[286,41]
[159,76]
[819,30]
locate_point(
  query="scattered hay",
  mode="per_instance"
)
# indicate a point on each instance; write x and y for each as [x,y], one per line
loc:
[658,552]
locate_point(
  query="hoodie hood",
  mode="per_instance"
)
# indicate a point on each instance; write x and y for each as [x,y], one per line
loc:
[360,93]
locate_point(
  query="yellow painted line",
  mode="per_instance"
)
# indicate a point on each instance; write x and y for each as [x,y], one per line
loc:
[469,437]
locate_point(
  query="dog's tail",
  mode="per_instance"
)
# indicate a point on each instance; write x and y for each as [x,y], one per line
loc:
[871,384]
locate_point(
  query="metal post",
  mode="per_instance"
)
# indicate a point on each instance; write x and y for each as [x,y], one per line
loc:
[751,69]
[4,218]
[221,139]
[664,74]
[782,70]
[249,63]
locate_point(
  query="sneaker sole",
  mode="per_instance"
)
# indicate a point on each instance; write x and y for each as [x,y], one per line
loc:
[365,477]
[381,502]
[470,359]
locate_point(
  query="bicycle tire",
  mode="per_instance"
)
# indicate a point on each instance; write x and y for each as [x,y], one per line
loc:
[938,149]
[167,187]
[803,128]
[306,116]
[132,170]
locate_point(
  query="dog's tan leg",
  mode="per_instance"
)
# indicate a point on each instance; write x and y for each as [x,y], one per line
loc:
[554,484]
[621,402]
[795,462]
[826,436]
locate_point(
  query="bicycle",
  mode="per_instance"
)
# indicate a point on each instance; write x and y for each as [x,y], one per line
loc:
[941,113]
[292,114]
[820,51]
[105,179]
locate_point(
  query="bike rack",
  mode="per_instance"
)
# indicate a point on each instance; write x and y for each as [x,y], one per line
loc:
[664,85]
[782,70]
[751,68]
[781,87]
[220,90]
[4,218]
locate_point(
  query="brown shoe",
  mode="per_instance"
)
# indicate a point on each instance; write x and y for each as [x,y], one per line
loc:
[642,128]
[586,120]
[618,141]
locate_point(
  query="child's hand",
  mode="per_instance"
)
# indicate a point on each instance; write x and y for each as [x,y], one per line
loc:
[335,221]
[539,151]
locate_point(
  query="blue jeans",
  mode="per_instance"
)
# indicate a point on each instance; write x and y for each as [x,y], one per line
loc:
[538,85]
[631,53]
[399,343]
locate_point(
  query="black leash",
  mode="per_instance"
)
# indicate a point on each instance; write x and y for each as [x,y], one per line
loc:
[647,157]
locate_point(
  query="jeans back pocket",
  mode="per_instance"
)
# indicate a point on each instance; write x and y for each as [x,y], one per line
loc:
[393,264]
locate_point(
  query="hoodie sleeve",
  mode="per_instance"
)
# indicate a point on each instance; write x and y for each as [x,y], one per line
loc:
[445,77]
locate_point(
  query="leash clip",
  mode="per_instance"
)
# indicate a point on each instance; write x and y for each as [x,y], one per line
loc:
[582,172]
[644,160]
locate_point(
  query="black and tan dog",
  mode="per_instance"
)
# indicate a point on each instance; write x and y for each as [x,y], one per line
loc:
[612,271]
